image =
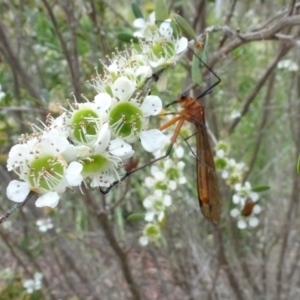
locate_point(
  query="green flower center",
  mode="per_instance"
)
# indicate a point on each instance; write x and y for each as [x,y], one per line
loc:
[158,205]
[94,164]
[125,120]
[220,163]
[152,232]
[84,125]
[172,173]
[166,49]
[46,172]
[161,186]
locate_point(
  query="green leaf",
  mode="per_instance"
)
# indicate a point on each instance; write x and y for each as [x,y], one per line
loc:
[161,10]
[298,165]
[196,68]
[136,11]
[185,27]
[127,38]
[136,217]
[261,188]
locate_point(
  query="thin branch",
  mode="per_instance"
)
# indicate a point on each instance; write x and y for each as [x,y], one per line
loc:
[227,21]
[16,65]
[279,14]
[63,44]
[260,83]
[102,219]
[4,217]
[263,123]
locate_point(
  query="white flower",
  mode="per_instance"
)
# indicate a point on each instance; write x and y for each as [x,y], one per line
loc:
[164,54]
[101,166]
[128,117]
[287,64]
[234,115]
[243,192]
[41,166]
[145,27]
[44,224]
[87,119]
[151,233]
[246,215]
[156,205]
[242,224]
[35,284]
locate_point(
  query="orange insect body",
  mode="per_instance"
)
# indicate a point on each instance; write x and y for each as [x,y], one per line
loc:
[207,181]
[131,165]
[248,207]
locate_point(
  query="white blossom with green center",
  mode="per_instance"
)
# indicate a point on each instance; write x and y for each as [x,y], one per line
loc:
[151,233]
[242,221]
[100,168]
[243,192]
[159,45]
[43,169]
[128,117]
[156,205]
[86,119]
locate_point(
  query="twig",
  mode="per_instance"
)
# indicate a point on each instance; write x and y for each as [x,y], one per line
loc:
[227,21]
[14,208]
[102,219]
[16,65]
[63,44]
[260,83]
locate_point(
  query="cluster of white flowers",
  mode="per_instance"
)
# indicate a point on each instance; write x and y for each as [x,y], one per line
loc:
[34,284]
[288,64]
[88,143]
[44,224]
[166,176]
[244,200]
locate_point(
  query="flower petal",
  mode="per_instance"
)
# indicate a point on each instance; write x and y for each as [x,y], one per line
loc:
[166,30]
[103,102]
[103,139]
[253,222]
[123,88]
[151,106]
[235,212]
[256,209]
[17,190]
[149,216]
[49,199]
[120,148]
[143,240]
[139,23]
[73,175]
[241,224]
[167,200]
[181,45]
[152,140]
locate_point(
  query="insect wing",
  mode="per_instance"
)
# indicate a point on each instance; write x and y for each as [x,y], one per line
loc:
[207,183]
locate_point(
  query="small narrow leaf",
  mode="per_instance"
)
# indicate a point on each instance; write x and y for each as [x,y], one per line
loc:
[205,49]
[137,11]
[136,217]
[298,165]
[186,27]
[161,10]
[262,188]
[196,68]
[127,38]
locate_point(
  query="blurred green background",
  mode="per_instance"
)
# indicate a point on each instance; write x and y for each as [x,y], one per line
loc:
[49,49]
